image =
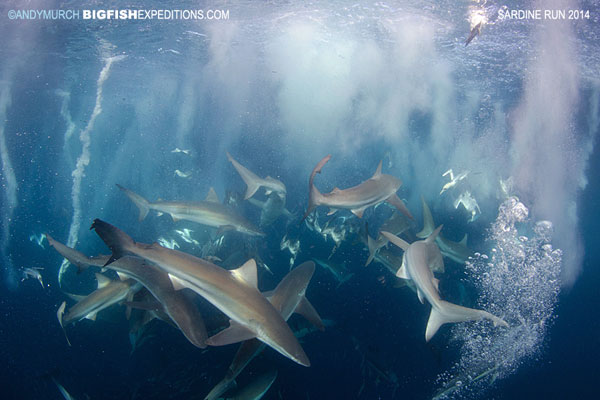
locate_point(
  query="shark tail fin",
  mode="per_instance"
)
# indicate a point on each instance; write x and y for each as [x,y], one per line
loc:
[449,313]
[252,181]
[314,196]
[138,200]
[117,241]
[428,224]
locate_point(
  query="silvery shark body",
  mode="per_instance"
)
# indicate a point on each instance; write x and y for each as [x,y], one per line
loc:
[210,212]
[377,189]
[254,182]
[109,292]
[288,297]
[417,262]
[181,310]
[457,251]
[234,292]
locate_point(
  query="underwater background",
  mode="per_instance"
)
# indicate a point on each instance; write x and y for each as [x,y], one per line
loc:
[155,105]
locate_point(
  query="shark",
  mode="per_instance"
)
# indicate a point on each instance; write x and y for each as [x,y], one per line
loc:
[288,297]
[416,266]
[109,292]
[397,224]
[256,389]
[377,189]
[254,182]
[178,307]
[271,209]
[340,273]
[456,251]
[209,212]
[233,292]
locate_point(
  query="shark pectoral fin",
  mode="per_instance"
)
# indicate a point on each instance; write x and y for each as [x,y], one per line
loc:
[420,295]
[402,273]
[212,196]
[396,240]
[395,201]
[91,316]
[247,273]
[178,283]
[306,309]
[233,334]
[102,280]
[436,319]
[252,189]
[358,212]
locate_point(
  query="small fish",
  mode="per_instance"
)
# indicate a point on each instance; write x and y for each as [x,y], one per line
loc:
[33,273]
[39,239]
[453,179]
[186,236]
[469,203]
[182,174]
[184,151]
[169,244]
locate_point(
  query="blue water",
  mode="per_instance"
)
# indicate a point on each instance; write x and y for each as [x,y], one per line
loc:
[87,104]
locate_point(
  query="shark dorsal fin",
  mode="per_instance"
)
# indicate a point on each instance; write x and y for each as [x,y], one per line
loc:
[247,273]
[336,190]
[428,223]
[212,196]
[377,173]
[431,238]
[102,280]
[464,240]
